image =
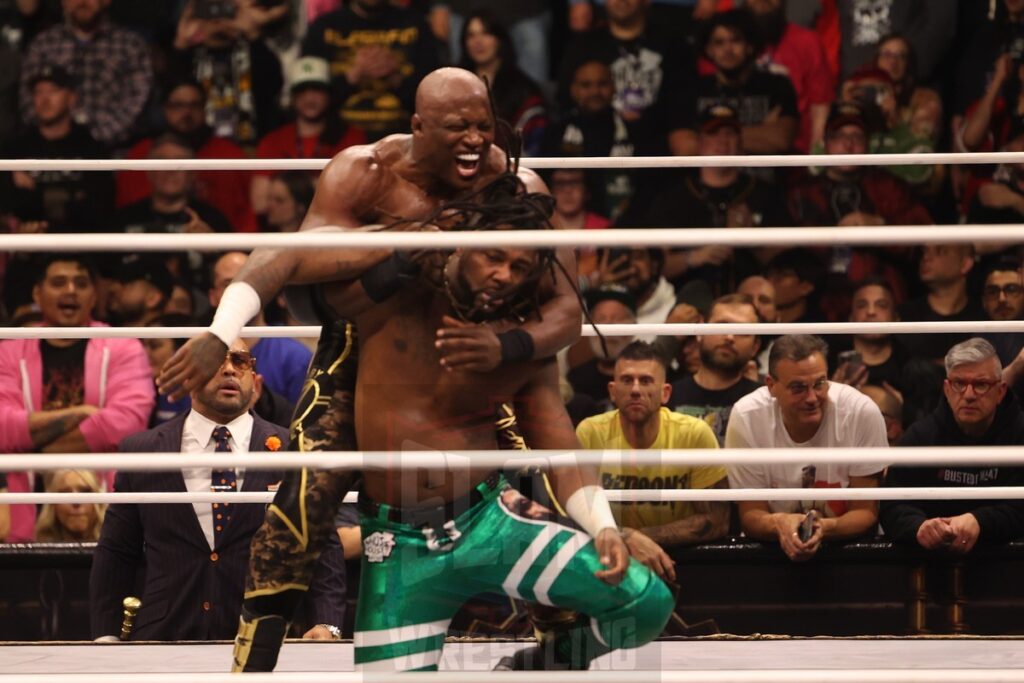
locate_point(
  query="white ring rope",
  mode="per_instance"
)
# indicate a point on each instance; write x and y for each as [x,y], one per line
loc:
[618,330]
[742,161]
[621,237]
[621,676]
[929,456]
[614,495]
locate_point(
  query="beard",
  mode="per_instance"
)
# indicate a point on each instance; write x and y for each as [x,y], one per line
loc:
[710,360]
[770,26]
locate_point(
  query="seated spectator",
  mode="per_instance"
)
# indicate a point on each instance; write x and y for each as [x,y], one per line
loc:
[639,271]
[682,352]
[592,127]
[608,305]
[999,198]
[991,121]
[798,53]
[762,293]
[110,65]
[943,270]
[289,196]
[283,361]
[182,300]
[184,115]
[190,561]
[766,102]
[641,420]
[76,522]
[314,133]
[159,351]
[917,107]
[378,54]
[876,359]
[650,63]
[139,292]
[796,276]
[569,188]
[890,403]
[719,197]
[67,395]
[978,411]
[800,408]
[57,200]
[489,52]
[240,75]
[719,382]
[999,32]
[1002,297]
[929,26]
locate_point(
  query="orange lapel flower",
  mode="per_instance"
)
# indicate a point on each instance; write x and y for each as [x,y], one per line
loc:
[272,443]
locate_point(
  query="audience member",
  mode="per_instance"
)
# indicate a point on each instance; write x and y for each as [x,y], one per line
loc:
[110,66]
[489,52]
[876,359]
[67,395]
[999,199]
[798,53]
[240,75]
[800,408]
[762,293]
[649,61]
[918,108]
[159,351]
[378,54]
[314,133]
[641,421]
[608,305]
[765,102]
[711,392]
[71,522]
[569,188]
[139,292]
[929,26]
[1001,31]
[639,271]
[978,411]
[1003,296]
[593,127]
[719,197]
[527,24]
[890,403]
[796,275]
[995,118]
[943,270]
[283,361]
[289,196]
[184,115]
[57,200]
[191,561]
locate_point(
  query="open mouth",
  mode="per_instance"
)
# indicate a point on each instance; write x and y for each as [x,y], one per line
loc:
[68,307]
[468,165]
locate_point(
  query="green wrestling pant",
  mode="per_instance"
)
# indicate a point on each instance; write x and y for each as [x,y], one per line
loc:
[420,565]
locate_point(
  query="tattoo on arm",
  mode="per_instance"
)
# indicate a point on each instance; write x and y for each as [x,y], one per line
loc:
[49,428]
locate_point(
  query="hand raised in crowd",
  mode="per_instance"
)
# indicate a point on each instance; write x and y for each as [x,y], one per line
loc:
[855,376]
[467,346]
[648,553]
[936,534]
[711,255]
[787,526]
[612,270]
[191,366]
[614,555]
[1001,71]
[195,223]
[251,17]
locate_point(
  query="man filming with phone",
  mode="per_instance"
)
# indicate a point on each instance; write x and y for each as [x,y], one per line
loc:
[799,408]
[875,359]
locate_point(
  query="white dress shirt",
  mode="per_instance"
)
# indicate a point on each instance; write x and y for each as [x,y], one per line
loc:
[197,437]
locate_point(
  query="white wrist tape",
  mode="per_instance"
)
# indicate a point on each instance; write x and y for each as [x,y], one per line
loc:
[589,508]
[238,306]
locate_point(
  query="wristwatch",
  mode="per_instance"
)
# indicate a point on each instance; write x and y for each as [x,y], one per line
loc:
[335,631]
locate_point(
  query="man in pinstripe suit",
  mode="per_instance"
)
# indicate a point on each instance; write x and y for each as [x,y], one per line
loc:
[188,562]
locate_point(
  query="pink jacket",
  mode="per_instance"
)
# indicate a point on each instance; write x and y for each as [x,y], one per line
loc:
[117,379]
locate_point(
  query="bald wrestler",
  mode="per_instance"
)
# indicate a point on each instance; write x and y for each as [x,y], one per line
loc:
[449,156]
[435,538]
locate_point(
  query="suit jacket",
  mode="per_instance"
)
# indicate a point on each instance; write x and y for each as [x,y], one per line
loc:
[159,553]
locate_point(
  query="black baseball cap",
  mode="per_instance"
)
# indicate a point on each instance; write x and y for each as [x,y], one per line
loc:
[610,293]
[718,116]
[152,270]
[847,114]
[55,74]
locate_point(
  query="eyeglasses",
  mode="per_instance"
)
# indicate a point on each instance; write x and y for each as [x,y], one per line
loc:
[993,291]
[242,360]
[980,386]
[799,388]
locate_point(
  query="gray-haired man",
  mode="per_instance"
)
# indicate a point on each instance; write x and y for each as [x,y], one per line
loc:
[978,411]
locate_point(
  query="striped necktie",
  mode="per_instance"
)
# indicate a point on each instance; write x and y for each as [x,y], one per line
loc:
[222,480]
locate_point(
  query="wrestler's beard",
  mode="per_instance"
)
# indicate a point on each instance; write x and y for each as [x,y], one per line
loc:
[770,26]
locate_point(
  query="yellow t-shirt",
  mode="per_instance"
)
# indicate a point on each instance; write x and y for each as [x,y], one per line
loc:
[677,431]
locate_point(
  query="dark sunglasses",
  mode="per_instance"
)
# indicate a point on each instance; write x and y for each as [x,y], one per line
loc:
[242,360]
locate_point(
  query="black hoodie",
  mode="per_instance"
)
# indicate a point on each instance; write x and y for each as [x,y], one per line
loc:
[1000,520]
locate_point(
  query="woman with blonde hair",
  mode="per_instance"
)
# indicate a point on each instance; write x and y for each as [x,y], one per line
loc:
[71,521]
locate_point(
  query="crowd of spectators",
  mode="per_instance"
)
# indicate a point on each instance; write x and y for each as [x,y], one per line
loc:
[302,79]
